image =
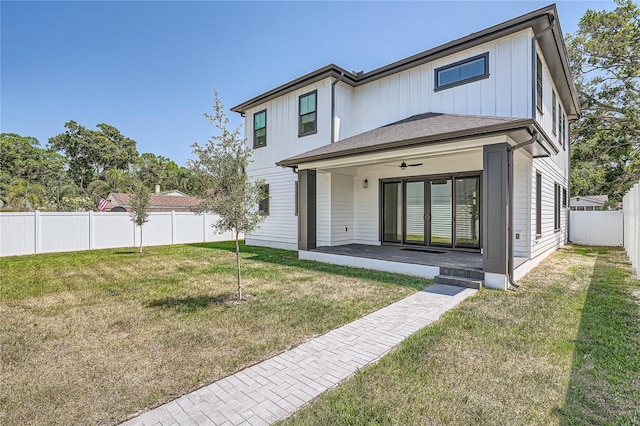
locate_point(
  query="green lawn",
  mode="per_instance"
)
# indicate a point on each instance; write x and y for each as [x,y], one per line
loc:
[94,337]
[563,349]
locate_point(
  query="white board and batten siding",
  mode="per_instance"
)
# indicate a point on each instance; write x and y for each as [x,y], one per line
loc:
[280,228]
[411,92]
[53,232]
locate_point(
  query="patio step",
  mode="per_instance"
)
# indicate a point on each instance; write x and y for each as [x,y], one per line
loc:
[458,281]
[462,272]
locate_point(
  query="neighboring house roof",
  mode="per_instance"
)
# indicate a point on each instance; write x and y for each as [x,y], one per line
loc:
[156,201]
[551,42]
[173,192]
[595,199]
[419,129]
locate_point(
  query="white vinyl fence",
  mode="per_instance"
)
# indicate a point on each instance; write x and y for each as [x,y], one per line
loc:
[631,208]
[597,228]
[40,232]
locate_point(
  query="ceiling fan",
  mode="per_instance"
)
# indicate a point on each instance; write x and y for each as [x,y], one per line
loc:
[404,165]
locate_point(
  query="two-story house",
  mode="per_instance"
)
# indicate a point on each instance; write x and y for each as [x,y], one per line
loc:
[455,156]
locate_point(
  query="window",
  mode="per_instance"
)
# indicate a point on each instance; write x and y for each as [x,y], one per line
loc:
[307,122]
[539,83]
[260,129]
[263,204]
[538,204]
[564,197]
[462,72]
[556,207]
[554,113]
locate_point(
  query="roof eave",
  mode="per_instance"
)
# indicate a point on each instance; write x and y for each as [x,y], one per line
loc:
[442,137]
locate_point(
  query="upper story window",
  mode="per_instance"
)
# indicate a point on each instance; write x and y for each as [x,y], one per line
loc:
[260,129]
[554,113]
[462,72]
[308,120]
[539,83]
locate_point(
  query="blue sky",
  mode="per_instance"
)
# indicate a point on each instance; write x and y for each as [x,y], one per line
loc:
[149,68]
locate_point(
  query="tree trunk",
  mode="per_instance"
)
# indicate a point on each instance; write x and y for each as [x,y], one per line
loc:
[238,265]
[141,240]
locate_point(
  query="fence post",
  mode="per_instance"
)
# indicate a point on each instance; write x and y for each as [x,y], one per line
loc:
[204,227]
[91,228]
[36,231]
[173,227]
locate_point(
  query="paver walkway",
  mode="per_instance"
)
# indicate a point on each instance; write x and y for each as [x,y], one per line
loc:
[275,388]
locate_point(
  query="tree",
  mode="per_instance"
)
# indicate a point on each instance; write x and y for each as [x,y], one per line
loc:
[605,60]
[139,199]
[30,169]
[92,153]
[230,193]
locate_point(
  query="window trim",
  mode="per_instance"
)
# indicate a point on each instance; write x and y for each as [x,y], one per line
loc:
[265,129]
[539,83]
[557,225]
[263,203]
[315,111]
[437,87]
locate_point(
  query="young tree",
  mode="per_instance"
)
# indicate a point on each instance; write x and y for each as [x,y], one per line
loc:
[139,199]
[230,193]
[605,59]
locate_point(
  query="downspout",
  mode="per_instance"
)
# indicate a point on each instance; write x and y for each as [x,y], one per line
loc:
[511,190]
[534,65]
[333,106]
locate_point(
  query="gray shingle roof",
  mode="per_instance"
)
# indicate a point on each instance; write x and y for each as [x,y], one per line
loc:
[418,129]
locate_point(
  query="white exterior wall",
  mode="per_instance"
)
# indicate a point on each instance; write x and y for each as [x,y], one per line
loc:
[280,228]
[522,202]
[545,118]
[342,219]
[506,93]
[549,239]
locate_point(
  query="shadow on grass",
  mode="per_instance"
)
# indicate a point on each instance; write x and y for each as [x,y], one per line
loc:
[604,386]
[190,304]
[290,258]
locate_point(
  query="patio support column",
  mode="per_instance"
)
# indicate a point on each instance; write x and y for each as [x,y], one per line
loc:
[495,214]
[306,209]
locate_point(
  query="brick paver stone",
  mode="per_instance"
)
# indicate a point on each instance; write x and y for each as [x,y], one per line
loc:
[276,388]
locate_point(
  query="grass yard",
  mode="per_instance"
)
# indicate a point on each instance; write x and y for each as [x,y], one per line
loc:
[564,349]
[94,337]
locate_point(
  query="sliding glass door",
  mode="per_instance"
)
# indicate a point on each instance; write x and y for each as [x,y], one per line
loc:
[467,212]
[441,213]
[432,211]
[392,212]
[414,208]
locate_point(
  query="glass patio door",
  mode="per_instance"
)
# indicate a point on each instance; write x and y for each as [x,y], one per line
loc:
[414,212]
[467,212]
[392,212]
[441,203]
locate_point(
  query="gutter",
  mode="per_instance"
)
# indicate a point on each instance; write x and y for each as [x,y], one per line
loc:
[511,190]
[333,106]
